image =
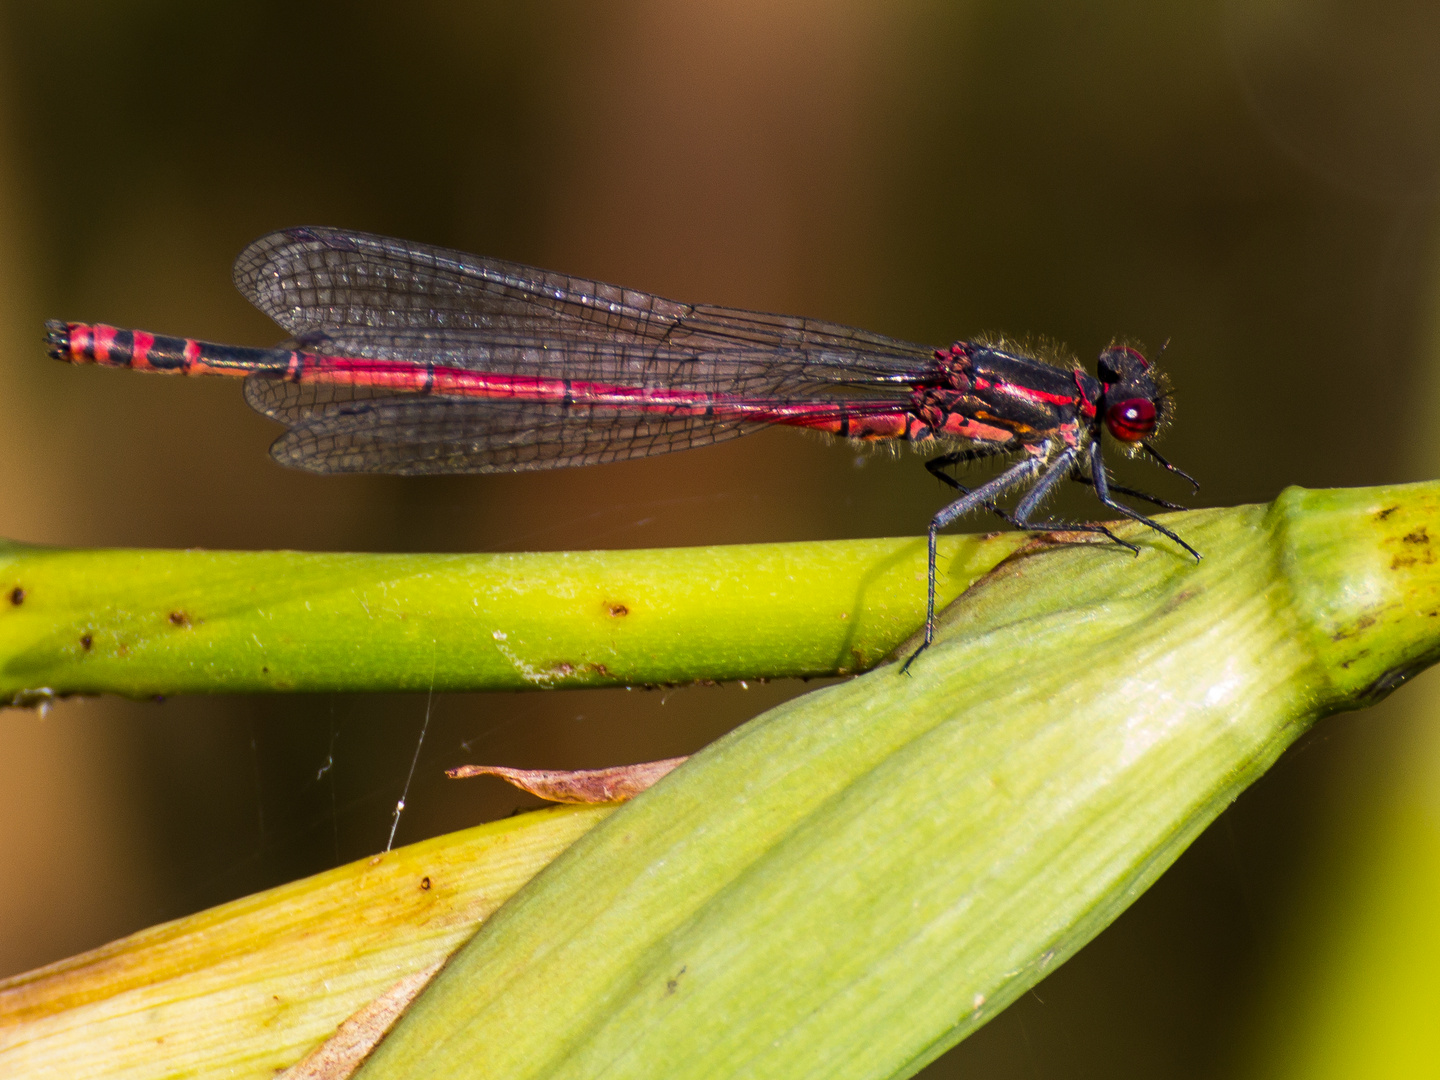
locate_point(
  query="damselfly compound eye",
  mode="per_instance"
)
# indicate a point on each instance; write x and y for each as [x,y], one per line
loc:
[1132,419]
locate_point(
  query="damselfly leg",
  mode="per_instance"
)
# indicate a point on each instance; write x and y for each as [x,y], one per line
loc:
[1065,465]
[1102,492]
[1164,504]
[983,496]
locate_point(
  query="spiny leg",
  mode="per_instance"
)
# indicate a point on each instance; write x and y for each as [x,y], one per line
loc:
[1058,470]
[1053,474]
[936,466]
[1155,456]
[984,495]
[1081,478]
[1102,486]
[1102,492]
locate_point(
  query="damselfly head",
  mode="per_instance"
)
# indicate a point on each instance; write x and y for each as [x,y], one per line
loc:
[1121,363]
[1135,399]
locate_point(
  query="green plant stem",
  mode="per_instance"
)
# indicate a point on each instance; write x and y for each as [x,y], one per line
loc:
[142,623]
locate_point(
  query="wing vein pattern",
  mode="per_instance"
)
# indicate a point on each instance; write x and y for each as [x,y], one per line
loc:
[354,295]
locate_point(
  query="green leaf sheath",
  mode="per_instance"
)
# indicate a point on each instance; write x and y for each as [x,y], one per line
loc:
[853,882]
[142,623]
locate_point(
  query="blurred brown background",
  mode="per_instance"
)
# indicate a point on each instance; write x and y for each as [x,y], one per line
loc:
[1254,182]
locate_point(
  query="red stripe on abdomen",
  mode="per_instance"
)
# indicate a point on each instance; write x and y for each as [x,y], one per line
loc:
[874,427]
[460,382]
[140,349]
[100,343]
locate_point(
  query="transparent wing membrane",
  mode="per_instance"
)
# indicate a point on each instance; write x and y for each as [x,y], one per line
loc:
[416,436]
[314,279]
[358,427]
[557,351]
[348,296]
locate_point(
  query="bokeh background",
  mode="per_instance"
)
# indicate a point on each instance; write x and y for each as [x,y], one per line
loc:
[1254,182]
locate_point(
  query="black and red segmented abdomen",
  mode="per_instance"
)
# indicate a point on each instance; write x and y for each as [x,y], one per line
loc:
[109,346]
[865,420]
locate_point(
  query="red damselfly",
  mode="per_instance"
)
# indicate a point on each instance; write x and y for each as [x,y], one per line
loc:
[413,359]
